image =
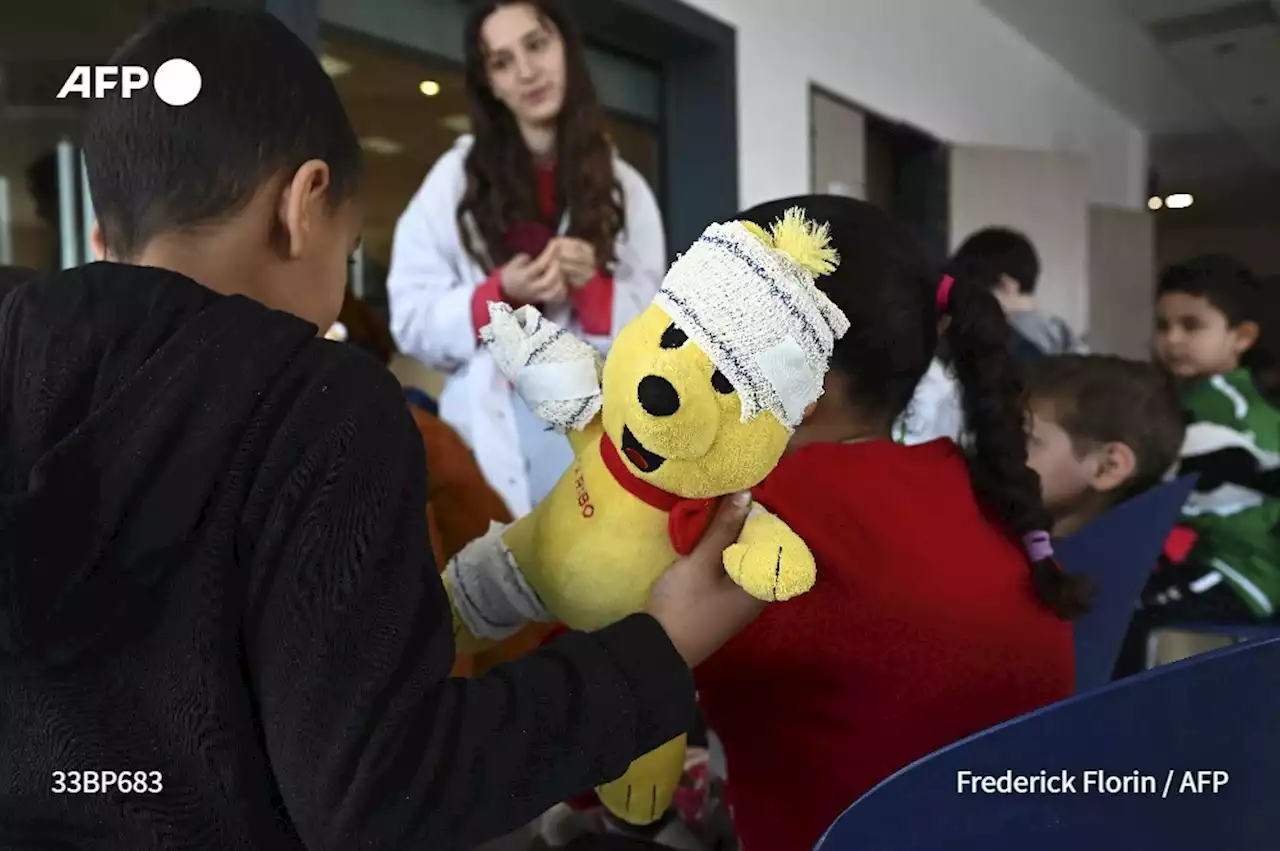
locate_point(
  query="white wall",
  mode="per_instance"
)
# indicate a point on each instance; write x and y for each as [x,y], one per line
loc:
[949,67]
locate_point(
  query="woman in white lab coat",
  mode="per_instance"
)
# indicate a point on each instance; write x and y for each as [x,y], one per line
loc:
[534,208]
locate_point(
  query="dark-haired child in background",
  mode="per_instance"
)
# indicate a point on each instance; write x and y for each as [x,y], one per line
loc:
[1212,335]
[1013,274]
[938,610]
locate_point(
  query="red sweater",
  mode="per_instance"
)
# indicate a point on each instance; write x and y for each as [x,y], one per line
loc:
[923,628]
[593,302]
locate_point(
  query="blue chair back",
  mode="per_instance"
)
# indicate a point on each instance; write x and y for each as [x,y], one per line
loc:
[1164,732]
[421,399]
[1117,552]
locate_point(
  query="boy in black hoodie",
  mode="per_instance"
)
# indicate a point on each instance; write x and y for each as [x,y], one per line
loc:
[220,624]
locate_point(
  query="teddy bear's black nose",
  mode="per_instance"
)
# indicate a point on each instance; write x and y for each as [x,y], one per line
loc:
[658,397]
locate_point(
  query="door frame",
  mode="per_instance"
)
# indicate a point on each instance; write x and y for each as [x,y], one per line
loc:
[939,242]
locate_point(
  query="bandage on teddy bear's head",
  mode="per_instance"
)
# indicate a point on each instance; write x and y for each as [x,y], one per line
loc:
[703,389]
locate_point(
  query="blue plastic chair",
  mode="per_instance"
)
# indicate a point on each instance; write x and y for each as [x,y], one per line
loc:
[1117,552]
[1216,712]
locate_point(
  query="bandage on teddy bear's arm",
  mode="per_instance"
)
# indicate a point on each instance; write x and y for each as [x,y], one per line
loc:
[490,595]
[556,374]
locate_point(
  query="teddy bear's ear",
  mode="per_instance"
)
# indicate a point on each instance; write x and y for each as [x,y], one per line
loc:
[758,232]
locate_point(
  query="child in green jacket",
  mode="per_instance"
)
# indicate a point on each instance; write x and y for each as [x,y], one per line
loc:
[1209,334]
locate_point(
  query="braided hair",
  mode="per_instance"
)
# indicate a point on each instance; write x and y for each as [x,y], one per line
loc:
[889,288]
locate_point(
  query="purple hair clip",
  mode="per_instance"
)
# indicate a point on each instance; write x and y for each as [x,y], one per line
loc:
[1038,544]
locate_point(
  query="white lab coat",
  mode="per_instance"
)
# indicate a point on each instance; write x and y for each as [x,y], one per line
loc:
[430,286]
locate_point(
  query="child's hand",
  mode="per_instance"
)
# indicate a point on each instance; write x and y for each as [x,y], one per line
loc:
[696,602]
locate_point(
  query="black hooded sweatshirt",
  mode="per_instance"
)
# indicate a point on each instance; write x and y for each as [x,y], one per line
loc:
[215,577]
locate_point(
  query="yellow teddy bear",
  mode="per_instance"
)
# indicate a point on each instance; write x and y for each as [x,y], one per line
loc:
[698,398]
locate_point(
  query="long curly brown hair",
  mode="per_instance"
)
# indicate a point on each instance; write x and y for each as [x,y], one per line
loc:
[501,182]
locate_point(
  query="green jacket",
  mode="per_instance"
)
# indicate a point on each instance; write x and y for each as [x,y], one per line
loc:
[1233,442]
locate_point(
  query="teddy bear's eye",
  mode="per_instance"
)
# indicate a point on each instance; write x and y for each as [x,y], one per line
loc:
[673,338]
[721,383]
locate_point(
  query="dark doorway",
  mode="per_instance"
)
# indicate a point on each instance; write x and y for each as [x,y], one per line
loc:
[907,174]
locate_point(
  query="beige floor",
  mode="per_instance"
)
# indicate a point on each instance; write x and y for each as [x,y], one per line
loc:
[411,373]
[1175,645]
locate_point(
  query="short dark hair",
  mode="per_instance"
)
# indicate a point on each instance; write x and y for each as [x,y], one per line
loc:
[1232,288]
[265,107]
[1100,399]
[1220,279]
[1006,252]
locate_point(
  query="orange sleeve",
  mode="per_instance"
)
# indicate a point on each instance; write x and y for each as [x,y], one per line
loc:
[462,500]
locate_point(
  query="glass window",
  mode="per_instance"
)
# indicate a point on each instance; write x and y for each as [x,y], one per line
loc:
[638,143]
[402,130]
[626,86]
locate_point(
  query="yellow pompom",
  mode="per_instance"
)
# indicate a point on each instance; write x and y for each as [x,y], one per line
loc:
[805,241]
[758,232]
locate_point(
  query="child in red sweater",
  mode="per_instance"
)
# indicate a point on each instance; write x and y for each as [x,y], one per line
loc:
[939,610]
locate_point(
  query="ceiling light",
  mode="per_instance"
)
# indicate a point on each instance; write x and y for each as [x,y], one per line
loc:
[1155,202]
[333,66]
[1178,202]
[381,145]
[430,88]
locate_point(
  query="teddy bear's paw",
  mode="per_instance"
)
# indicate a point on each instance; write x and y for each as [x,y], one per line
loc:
[772,570]
[643,794]
[634,803]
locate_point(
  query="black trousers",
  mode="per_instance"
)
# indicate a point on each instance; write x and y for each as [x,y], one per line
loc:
[1179,593]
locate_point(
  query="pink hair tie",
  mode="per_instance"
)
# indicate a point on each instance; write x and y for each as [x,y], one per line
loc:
[944,292]
[1039,545]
